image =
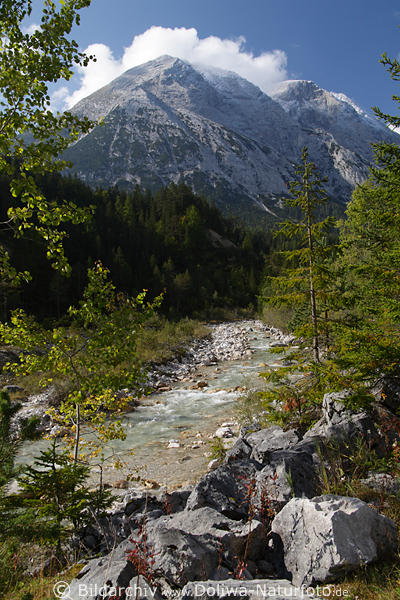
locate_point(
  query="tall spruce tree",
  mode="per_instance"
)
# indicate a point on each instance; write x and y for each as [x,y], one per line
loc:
[305,285]
[303,282]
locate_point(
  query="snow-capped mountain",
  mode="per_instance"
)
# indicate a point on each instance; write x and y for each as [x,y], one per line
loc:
[168,120]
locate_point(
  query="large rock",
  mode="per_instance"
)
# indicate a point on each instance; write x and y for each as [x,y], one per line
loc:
[232,589]
[341,424]
[330,535]
[225,489]
[241,450]
[265,441]
[110,530]
[191,544]
[185,546]
[110,577]
[289,473]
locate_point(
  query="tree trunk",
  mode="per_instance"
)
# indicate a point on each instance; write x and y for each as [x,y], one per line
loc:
[314,318]
[77,433]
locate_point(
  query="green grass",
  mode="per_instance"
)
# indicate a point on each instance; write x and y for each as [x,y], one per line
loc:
[250,408]
[375,582]
[278,317]
[161,340]
[40,587]
[217,449]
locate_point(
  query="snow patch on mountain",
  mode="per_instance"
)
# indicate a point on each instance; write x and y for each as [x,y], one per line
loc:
[343,98]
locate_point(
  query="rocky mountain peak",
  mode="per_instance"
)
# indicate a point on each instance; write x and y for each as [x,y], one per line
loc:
[168,120]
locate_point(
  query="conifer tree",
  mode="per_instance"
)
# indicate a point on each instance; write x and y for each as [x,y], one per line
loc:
[367,341]
[305,285]
[303,281]
[56,493]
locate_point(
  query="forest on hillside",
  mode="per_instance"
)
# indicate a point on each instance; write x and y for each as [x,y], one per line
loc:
[172,241]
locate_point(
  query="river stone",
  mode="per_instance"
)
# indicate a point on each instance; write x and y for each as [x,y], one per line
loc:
[225,489]
[265,441]
[289,473]
[331,535]
[224,431]
[232,589]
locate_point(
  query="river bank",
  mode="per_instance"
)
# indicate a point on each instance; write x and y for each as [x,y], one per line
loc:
[266,517]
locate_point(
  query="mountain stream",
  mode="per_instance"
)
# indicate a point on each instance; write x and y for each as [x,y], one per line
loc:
[168,434]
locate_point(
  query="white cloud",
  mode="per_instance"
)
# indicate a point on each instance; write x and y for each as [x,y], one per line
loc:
[59,98]
[265,70]
[30,29]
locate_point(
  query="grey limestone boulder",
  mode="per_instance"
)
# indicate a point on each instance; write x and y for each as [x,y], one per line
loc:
[330,535]
[191,545]
[185,546]
[241,450]
[225,489]
[289,473]
[265,441]
[109,577]
[214,529]
[340,424]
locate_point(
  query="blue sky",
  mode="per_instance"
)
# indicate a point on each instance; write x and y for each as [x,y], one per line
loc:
[337,43]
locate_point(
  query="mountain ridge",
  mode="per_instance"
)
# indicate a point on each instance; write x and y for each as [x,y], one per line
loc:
[167,120]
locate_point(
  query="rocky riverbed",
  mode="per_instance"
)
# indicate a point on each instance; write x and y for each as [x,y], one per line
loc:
[226,342]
